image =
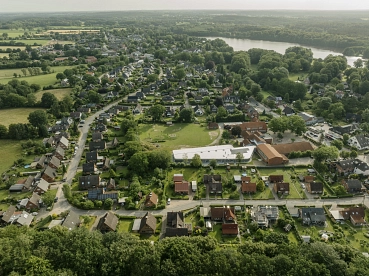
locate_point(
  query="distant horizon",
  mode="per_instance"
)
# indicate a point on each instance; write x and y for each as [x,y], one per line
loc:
[55,6]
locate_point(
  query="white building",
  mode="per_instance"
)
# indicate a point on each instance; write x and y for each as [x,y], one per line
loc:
[359,141]
[222,154]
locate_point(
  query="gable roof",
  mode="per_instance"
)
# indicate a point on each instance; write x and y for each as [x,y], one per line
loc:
[148,220]
[353,183]
[71,221]
[282,187]
[248,187]
[91,156]
[35,199]
[288,110]
[181,187]
[29,181]
[316,186]
[9,213]
[229,228]
[151,198]
[362,140]
[175,219]
[89,181]
[269,151]
[43,185]
[55,161]
[110,220]
[88,167]
[353,211]
[222,213]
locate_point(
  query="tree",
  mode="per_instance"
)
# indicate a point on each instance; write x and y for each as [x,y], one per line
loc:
[365,115]
[152,78]
[221,113]
[353,154]
[37,118]
[337,143]
[48,99]
[296,124]
[48,198]
[180,73]
[139,163]
[345,138]
[127,124]
[324,152]
[358,63]
[60,76]
[196,161]
[186,115]
[130,148]
[260,186]
[239,158]
[236,130]
[213,163]
[24,71]
[278,124]
[3,131]
[108,203]
[156,111]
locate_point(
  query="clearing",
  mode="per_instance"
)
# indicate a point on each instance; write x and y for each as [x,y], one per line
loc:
[18,115]
[58,93]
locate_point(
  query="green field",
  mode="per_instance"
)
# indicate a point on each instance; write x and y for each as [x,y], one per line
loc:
[43,80]
[4,55]
[125,225]
[12,151]
[12,33]
[59,93]
[15,115]
[178,135]
[33,41]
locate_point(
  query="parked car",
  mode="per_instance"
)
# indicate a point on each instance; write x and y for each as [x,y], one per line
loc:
[56,199]
[168,201]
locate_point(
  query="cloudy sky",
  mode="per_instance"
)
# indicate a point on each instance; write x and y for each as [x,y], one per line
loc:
[108,5]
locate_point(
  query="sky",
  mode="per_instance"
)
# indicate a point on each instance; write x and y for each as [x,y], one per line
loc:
[110,5]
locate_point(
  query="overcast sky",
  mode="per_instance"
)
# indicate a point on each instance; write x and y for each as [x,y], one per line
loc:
[109,5]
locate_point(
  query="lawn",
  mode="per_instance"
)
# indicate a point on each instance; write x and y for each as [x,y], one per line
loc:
[125,225]
[178,135]
[58,93]
[88,221]
[217,234]
[266,194]
[295,76]
[18,115]
[4,206]
[12,150]
[5,194]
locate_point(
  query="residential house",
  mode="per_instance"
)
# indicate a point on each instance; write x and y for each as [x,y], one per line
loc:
[248,187]
[180,185]
[265,216]
[312,216]
[71,221]
[214,183]
[151,200]
[148,224]
[111,184]
[75,115]
[213,125]
[101,194]
[198,110]
[276,178]
[138,109]
[230,229]
[106,164]
[91,156]
[282,188]
[355,214]
[309,119]
[59,153]
[314,187]
[132,99]
[167,99]
[361,168]
[198,99]
[99,145]
[339,94]
[33,202]
[308,178]
[230,108]
[288,111]
[97,136]
[347,129]
[89,168]
[8,215]
[108,223]
[346,166]
[23,219]
[54,163]
[352,185]
[89,181]
[224,214]
[49,174]
[176,227]
[23,185]
[270,156]
[252,113]
[63,143]
[42,187]
[213,108]
[140,95]
[17,188]
[359,141]
[84,110]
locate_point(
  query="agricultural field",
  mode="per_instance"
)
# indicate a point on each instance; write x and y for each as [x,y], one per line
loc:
[18,115]
[12,151]
[178,135]
[58,93]
[12,33]
[34,41]
[4,55]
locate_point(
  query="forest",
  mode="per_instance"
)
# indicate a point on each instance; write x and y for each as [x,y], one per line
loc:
[60,251]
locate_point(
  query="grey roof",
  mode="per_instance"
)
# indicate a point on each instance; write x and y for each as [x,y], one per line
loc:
[71,221]
[89,181]
[43,185]
[16,188]
[362,140]
[97,136]
[100,145]
[311,214]
[288,110]
[49,171]
[353,184]
[91,156]
[9,213]
[55,161]
[29,181]
[64,141]
[148,220]
[35,199]
[25,219]
[88,167]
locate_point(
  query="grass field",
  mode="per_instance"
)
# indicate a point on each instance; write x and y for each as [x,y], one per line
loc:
[125,225]
[33,41]
[11,150]
[18,115]
[4,55]
[59,93]
[178,135]
[12,33]
[43,80]
[5,194]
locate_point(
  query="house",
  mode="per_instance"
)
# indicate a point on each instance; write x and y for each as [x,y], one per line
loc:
[345,129]
[59,153]
[224,214]
[353,118]
[230,229]
[138,109]
[63,143]
[24,219]
[99,145]
[213,108]
[75,115]
[54,163]
[8,215]
[90,59]
[254,126]
[106,164]
[339,94]
[249,188]
[198,110]
[282,188]
[167,99]
[41,162]
[84,109]
[265,216]
[276,178]
[252,113]
[312,216]
[361,168]
[176,227]
[42,187]
[71,221]
[89,168]
[198,99]
[111,184]
[148,224]
[132,99]
[287,148]
[308,178]
[89,181]
[355,214]
[17,188]
[33,202]
[91,156]
[97,136]
[309,119]
[359,141]
[314,187]
[108,223]
[352,185]
[28,183]
[288,111]
[346,166]
[101,194]
[151,200]
[213,125]
[230,108]
[180,185]
[270,156]
[49,174]
[214,183]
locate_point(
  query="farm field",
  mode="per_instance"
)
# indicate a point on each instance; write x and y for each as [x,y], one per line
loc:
[178,135]
[58,93]
[33,41]
[12,33]
[10,149]
[18,115]
[4,55]
[43,80]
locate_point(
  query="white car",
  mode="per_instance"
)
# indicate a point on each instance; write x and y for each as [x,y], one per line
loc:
[168,202]
[253,171]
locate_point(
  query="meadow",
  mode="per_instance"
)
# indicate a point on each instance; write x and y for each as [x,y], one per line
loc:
[10,150]
[18,115]
[58,93]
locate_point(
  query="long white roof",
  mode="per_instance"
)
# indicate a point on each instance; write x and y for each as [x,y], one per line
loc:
[225,152]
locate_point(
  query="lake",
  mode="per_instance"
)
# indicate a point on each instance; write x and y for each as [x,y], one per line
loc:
[279,47]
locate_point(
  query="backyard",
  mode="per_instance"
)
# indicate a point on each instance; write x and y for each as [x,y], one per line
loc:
[12,150]
[125,225]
